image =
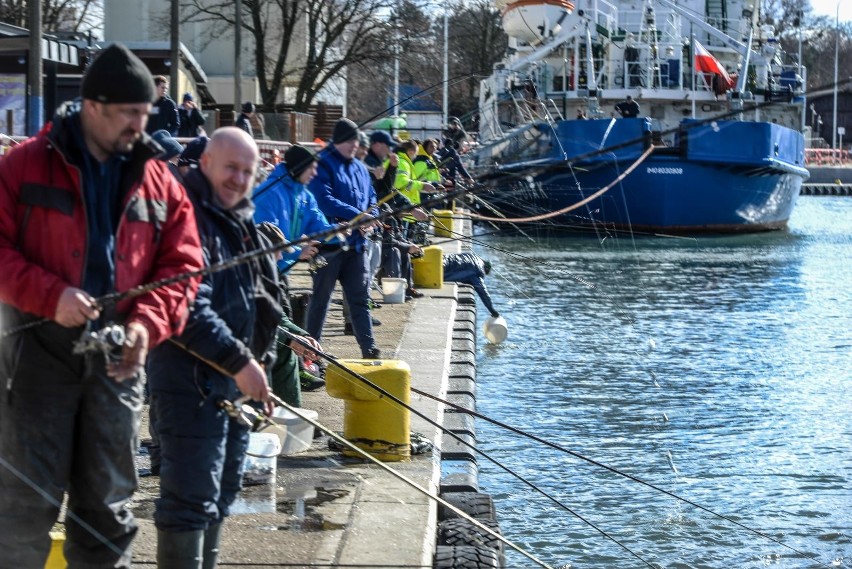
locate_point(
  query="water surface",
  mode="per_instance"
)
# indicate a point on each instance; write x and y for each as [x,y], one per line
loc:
[717,368]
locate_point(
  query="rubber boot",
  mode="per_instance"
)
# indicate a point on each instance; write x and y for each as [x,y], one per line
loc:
[179,550]
[211,546]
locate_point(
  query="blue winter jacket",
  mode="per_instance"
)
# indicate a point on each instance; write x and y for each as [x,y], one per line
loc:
[469,268]
[288,205]
[343,189]
[237,311]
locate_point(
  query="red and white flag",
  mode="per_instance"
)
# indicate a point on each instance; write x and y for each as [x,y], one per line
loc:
[706,63]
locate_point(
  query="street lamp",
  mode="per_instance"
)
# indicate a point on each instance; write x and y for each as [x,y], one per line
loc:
[836,53]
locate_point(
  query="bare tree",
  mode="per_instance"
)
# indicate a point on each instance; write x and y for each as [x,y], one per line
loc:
[302,43]
[477,42]
[57,15]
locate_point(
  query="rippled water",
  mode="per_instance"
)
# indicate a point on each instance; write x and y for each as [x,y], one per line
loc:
[718,369]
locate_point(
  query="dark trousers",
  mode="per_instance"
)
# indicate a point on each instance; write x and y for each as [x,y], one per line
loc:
[396,263]
[350,268]
[65,426]
[201,449]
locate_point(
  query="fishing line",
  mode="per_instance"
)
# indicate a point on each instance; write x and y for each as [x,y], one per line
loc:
[53,502]
[535,262]
[325,355]
[573,206]
[362,218]
[297,411]
[580,456]
[540,440]
[449,82]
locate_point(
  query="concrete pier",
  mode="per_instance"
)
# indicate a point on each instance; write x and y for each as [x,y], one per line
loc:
[324,509]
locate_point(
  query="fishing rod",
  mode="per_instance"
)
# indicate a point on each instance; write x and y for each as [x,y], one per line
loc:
[461,409]
[254,418]
[628,318]
[335,361]
[420,93]
[112,298]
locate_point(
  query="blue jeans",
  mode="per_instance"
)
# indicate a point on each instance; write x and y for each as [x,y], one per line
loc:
[65,426]
[350,268]
[201,448]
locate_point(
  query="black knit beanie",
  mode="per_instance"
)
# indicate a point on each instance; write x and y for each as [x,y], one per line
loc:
[118,76]
[297,159]
[344,131]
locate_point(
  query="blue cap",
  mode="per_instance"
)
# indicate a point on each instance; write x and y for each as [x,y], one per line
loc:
[381,136]
[171,147]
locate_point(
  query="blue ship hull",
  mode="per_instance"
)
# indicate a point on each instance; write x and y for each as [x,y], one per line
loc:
[726,176]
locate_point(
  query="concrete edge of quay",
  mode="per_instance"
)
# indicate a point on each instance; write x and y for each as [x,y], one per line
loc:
[324,509]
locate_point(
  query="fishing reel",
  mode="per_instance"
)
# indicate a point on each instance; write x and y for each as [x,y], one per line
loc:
[108,341]
[316,263]
[244,413]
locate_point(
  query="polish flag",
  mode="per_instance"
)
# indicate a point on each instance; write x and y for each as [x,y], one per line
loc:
[706,63]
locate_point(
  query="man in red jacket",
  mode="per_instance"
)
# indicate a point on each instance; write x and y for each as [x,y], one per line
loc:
[84,212]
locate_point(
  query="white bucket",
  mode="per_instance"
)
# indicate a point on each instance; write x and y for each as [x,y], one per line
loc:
[394,290]
[261,458]
[297,434]
[495,329]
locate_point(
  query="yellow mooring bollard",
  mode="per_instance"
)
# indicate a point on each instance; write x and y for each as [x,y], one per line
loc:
[443,223]
[428,270]
[56,559]
[371,421]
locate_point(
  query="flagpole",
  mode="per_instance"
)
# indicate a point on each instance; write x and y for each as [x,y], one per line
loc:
[692,65]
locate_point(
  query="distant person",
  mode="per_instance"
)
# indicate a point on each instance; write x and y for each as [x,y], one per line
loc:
[244,120]
[191,119]
[454,131]
[628,108]
[85,211]
[344,192]
[191,154]
[581,115]
[470,268]
[450,163]
[164,113]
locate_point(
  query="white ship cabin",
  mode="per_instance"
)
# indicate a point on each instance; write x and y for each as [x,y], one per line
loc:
[588,55]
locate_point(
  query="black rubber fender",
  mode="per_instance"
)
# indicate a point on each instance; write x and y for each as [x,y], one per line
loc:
[460,531]
[475,504]
[465,557]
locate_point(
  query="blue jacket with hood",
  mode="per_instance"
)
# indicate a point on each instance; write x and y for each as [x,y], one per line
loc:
[288,205]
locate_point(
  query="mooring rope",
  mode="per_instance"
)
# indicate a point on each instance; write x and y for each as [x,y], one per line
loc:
[571,207]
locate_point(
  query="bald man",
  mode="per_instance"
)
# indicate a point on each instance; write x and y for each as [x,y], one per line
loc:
[229,338]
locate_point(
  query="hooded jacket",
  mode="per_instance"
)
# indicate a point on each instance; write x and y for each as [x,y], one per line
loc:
[288,205]
[45,241]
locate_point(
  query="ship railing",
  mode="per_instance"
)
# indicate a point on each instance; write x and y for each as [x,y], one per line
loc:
[550,109]
[604,14]
[524,109]
[704,81]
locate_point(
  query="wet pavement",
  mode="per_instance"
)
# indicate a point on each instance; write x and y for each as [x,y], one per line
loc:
[325,509]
